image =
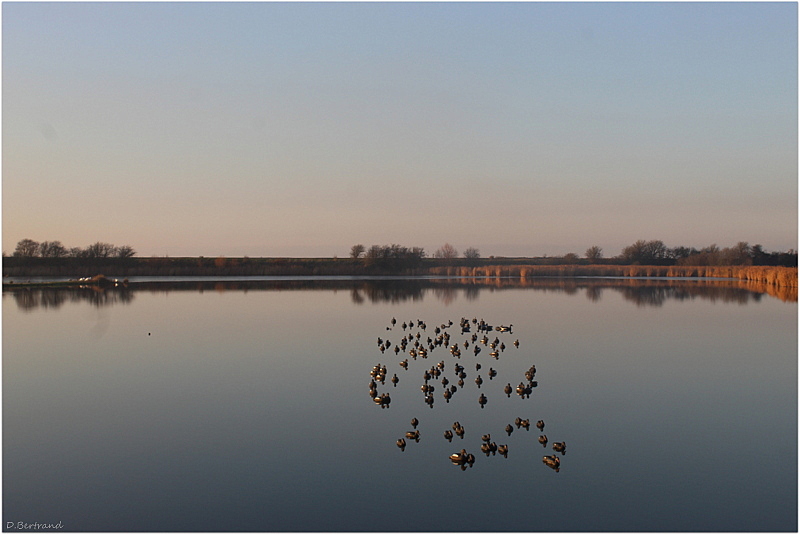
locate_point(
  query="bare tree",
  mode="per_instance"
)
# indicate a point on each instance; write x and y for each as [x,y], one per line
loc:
[100,250]
[594,253]
[393,257]
[472,253]
[126,251]
[357,250]
[645,252]
[446,251]
[52,249]
[77,252]
[27,247]
[373,255]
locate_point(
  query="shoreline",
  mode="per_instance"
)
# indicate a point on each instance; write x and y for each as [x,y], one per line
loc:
[770,275]
[77,275]
[397,286]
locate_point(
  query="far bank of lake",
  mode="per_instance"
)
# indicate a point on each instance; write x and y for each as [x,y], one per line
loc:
[518,268]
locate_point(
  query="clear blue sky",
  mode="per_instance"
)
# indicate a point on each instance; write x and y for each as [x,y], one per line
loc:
[300,129]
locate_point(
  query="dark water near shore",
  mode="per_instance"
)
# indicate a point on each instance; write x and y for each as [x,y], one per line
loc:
[245,406]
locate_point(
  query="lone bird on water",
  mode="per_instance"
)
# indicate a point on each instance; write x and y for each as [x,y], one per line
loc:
[552,461]
[413,435]
[460,457]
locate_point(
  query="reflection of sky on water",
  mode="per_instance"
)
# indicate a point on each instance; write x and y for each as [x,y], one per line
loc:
[249,410]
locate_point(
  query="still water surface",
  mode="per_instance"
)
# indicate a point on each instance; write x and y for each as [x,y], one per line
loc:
[214,407]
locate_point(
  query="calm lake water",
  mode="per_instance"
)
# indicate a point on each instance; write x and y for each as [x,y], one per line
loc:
[246,407]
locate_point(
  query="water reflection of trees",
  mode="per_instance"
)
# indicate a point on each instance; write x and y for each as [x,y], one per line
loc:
[389,291]
[657,296]
[28,299]
[641,292]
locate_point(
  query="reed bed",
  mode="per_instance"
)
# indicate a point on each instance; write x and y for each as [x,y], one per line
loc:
[769,275]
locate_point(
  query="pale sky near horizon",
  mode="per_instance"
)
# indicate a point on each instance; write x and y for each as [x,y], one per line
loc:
[301,129]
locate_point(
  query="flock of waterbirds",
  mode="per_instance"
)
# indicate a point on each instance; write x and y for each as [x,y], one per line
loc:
[419,344]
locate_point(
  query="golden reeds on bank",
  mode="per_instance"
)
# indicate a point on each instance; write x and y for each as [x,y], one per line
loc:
[770,275]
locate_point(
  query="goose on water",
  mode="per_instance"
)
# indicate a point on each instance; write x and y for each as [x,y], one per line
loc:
[460,457]
[413,435]
[552,461]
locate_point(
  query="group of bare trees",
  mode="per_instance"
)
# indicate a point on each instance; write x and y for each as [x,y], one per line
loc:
[446,251]
[655,252]
[742,254]
[388,257]
[28,248]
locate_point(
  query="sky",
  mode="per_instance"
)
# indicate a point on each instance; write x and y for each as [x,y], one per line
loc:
[302,129]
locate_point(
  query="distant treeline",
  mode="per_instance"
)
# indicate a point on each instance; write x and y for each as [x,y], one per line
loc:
[28,248]
[642,252]
[654,252]
[396,257]
[51,259]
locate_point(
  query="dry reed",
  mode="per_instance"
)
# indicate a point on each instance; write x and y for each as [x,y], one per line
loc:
[770,275]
